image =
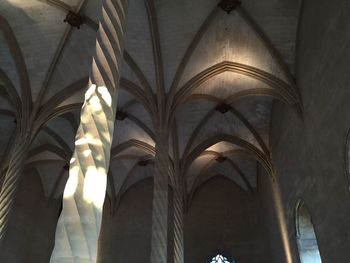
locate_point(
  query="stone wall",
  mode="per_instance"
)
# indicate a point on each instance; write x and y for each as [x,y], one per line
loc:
[126,234]
[32,226]
[224,218]
[309,153]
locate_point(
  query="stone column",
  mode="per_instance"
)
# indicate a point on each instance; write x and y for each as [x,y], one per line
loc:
[79,225]
[159,242]
[12,178]
[178,221]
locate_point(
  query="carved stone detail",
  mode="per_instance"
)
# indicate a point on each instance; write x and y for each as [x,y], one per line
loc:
[144,163]
[74,19]
[229,5]
[221,159]
[223,108]
[121,115]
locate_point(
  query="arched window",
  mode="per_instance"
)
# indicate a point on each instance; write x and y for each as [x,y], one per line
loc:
[220,259]
[306,238]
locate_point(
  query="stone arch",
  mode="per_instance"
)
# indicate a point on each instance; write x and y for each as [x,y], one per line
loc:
[305,235]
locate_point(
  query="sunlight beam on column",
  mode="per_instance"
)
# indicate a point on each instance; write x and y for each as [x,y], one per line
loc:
[80,221]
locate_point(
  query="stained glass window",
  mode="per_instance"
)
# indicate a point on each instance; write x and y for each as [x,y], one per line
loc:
[219,259]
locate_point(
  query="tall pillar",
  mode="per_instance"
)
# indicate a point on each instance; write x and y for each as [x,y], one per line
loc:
[159,242]
[79,225]
[12,178]
[178,204]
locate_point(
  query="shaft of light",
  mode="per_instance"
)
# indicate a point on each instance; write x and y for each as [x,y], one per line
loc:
[85,190]
[282,222]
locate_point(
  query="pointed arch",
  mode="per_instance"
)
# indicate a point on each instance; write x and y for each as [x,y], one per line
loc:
[237,114]
[59,140]
[50,148]
[21,68]
[305,234]
[199,184]
[123,188]
[267,43]
[226,66]
[143,126]
[133,89]
[185,59]
[255,152]
[141,77]
[132,143]
[47,116]
[10,93]
[64,94]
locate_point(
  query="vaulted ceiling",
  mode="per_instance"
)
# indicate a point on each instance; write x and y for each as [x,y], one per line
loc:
[219,73]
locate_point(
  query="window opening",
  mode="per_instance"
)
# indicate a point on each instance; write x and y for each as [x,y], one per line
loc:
[306,237]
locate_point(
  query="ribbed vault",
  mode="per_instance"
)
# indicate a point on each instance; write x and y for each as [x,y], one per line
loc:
[208,77]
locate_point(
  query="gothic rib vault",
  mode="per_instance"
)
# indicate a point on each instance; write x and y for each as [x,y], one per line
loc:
[194,102]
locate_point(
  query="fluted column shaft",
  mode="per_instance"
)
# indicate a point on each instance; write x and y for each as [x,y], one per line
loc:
[79,225]
[159,242]
[12,179]
[178,222]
